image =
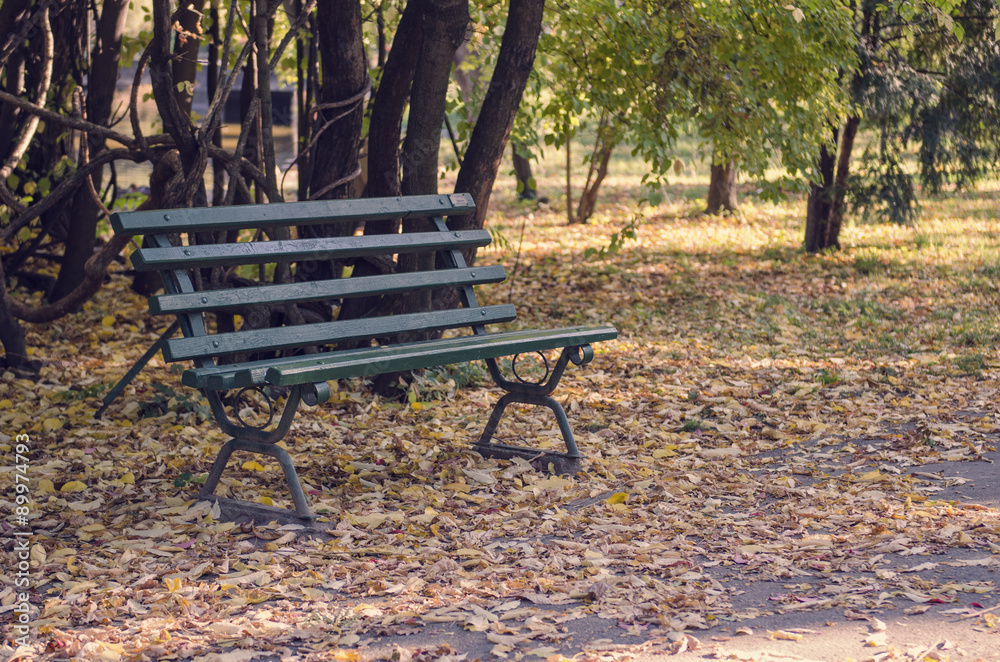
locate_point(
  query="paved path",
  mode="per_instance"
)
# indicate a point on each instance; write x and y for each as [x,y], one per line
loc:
[902,630]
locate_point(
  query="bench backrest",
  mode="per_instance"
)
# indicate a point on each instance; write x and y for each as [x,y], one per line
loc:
[169,247]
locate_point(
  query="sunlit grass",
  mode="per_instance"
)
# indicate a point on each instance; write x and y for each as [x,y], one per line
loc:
[743,284]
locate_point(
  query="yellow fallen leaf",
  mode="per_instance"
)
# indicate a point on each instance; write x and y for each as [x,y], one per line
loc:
[870,477]
[108,320]
[251,465]
[668,451]
[618,497]
[783,634]
[173,583]
[128,479]
[553,483]
[45,486]
[267,501]
[52,424]
[73,486]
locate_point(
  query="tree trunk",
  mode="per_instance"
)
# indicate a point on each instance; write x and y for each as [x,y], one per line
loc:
[11,333]
[342,89]
[214,50]
[387,111]
[588,197]
[103,75]
[176,121]
[522,170]
[496,117]
[600,156]
[306,57]
[722,188]
[11,13]
[184,64]
[825,208]
[444,24]
[569,178]
[340,106]
[840,182]
[820,201]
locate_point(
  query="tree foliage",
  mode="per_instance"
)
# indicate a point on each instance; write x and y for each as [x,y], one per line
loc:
[755,79]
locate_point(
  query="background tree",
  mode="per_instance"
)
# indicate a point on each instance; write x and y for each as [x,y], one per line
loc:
[754,79]
[922,75]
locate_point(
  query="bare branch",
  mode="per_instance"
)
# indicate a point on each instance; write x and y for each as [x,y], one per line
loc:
[94,272]
[66,187]
[134,99]
[65,120]
[28,130]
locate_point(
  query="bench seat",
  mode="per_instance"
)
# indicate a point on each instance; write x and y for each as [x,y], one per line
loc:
[370,361]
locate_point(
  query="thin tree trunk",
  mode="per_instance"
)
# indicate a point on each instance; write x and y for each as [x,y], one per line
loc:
[341,97]
[443,32]
[600,156]
[591,189]
[569,181]
[265,114]
[176,121]
[11,332]
[820,201]
[214,49]
[82,229]
[339,110]
[522,170]
[840,182]
[11,13]
[306,57]
[184,63]
[387,112]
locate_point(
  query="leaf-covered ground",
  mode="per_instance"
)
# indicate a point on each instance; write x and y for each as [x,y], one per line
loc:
[764,414]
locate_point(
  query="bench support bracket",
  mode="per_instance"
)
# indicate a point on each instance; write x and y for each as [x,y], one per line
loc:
[137,367]
[262,442]
[538,394]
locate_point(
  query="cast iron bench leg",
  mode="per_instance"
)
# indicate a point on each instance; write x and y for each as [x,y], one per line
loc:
[540,400]
[264,442]
[273,450]
[534,394]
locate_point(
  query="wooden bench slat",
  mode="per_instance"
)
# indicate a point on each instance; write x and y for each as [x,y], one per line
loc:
[288,214]
[293,250]
[287,337]
[341,288]
[413,356]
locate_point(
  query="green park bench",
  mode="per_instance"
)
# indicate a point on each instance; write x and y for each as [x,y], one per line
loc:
[228,361]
